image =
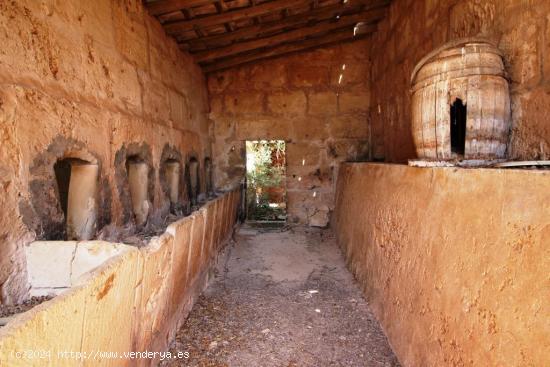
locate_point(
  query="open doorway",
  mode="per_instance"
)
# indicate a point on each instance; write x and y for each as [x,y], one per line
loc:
[266,180]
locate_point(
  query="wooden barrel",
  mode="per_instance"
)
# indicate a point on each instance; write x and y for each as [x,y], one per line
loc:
[461,102]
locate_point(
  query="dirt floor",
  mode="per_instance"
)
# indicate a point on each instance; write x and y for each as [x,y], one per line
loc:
[282,298]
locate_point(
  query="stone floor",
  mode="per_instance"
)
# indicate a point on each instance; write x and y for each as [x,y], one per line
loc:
[282,298]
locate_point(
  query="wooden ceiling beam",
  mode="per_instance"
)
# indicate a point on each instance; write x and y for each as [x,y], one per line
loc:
[168,6]
[231,16]
[334,37]
[344,21]
[318,14]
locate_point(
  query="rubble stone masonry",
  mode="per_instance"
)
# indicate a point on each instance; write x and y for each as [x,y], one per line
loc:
[86,80]
[316,101]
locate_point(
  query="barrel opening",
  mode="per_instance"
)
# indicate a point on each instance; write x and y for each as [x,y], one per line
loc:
[458,127]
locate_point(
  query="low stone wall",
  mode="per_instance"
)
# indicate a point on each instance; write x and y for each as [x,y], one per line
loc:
[135,301]
[454,262]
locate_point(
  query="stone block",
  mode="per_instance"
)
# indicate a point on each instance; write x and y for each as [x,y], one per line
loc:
[125,87]
[263,128]
[297,203]
[349,126]
[179,111]
[308,177]
[244,103]
[303,154]
[216,106]
[319,217]
[130,33]
[110,305]
[210,224]
[49,263]
[354,101]
[96,18]
[521,50]
[92,254]
[350,71]
[270,74]
[156,104]
[287,103]
[308,73]
[195,246]
[218,82]
[156,290]
[309,128]
[39,330]
[348,150]
[322,103]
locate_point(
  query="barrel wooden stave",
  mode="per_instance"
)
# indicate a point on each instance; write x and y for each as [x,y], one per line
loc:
[475,74]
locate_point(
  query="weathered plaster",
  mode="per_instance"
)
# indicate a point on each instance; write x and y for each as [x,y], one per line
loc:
[86,79]
[454,262]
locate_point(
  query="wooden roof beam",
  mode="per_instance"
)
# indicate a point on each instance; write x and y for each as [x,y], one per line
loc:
[334,37]
[231,16]
[320,14]
[343,21]
[168,6]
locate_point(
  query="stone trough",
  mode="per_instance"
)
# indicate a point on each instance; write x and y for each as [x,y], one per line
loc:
[144,294]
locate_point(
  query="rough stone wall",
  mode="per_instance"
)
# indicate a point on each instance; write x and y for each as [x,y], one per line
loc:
[299,99]
[94,80]
[520,28]
[454,262]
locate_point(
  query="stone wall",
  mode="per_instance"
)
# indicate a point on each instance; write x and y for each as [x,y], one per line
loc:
[93,80]
[316,101]
[453,262]
[520,28]
[135,302]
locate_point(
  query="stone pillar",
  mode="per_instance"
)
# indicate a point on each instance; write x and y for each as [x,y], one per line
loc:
[82,202]
[173,172]
[138,179]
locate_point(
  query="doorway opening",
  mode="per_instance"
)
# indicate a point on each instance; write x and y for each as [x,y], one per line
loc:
[266,181]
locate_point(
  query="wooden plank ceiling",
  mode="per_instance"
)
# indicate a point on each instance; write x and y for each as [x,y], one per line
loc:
[224,33]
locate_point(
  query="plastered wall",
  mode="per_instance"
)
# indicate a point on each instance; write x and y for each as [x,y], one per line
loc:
[94,80]
[454,262]
[316,101]
[413,28]
[135,302]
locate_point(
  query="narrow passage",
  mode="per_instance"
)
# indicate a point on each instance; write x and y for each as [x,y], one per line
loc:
[283,297]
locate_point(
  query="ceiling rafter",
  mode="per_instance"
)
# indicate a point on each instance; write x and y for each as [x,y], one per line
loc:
[335,37]
[259,30]
[225,33]
[294,35]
